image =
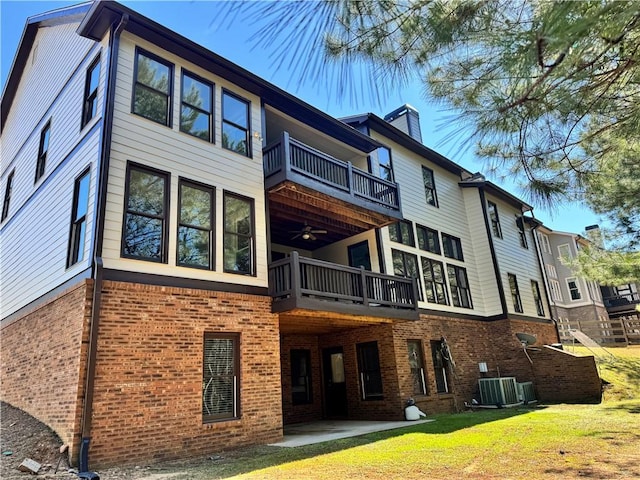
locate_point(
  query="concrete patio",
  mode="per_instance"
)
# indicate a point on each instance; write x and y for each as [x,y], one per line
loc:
[300,434]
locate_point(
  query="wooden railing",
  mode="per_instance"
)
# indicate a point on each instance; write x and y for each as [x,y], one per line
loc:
[299,277]
[290,155]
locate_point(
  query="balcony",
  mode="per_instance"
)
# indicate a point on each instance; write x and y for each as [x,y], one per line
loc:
[621,303]
[303,287]
[307,185]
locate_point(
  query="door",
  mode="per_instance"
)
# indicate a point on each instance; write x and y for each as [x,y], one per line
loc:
[335,387]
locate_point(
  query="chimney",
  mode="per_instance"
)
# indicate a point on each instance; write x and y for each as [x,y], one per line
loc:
[594,234]
[407,119]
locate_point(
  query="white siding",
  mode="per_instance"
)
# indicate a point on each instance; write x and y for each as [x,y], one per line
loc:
[515,259]
[35,235]
[145,142]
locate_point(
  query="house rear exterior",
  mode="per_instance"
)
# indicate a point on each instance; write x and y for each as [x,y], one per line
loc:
[193,258]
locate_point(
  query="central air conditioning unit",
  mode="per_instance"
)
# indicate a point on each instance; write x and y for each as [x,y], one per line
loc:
[498,391]
[525,392]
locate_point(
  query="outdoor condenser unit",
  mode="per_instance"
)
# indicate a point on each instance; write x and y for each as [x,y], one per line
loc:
[501,391]
[526,392]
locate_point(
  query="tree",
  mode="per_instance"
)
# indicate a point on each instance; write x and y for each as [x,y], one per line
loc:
[550,89]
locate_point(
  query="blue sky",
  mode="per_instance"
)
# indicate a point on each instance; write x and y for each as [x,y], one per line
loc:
[197,20]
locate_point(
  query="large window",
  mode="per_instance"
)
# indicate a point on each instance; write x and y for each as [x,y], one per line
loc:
[90,99]
[43,151]
[146,214]
[564,251]
[416,364]
[440,360]
[556,293]
[522,232]
[406,265]
[434,281]
[402,232]
[494,219]
[574,289]
[195,225]
[429,186]
[369,369]
[459,286]
[7,196]
[238,234]
[152,88]
[544,240]
[452,247]
[78,230]
[537,298]
[428,239]
[301,392]
[384,164]
[235,124]
[551,270]
[220,382]
[515,293]
[196,112]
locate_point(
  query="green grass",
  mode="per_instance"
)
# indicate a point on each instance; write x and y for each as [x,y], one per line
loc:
[543,442]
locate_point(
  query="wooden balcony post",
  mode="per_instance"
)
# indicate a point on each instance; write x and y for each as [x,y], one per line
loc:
[295,274]
[363,281]
[414,285]
[350,179]
[286,152]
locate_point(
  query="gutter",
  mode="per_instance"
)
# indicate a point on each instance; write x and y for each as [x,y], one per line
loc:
[97,265]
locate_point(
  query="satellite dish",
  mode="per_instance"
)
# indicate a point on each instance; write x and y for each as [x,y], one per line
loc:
[526,339]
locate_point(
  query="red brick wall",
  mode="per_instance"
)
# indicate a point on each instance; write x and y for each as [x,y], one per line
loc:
[43,357]
[306,412]
[562,377]
[148,383]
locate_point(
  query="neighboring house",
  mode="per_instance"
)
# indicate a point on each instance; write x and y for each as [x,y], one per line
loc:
[192,257]
[577,303]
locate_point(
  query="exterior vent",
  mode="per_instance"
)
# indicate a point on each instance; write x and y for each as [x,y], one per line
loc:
[525,392]
[502,391]
[407,119]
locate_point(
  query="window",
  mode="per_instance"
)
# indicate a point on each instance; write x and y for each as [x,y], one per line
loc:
[556,293]
[429,186]
[152,88]
[434,282]
[515,293]
[301,377]
[196,112]
[220,383]
[78,230]
[495,221]
[406,265]
[551,271]
[90,101]
[544,240]
[428,239]
[146,210]
[452,247]
[384,164]
[574,289]
[7,196]
[537,298]
[402,232]
[43,150]
[459,285]
[594,291]
[564,251]
[369,369]
[235,124]
[238,234]
[195,225]
[359,255]
[416,364]
[440,359]
[522,233]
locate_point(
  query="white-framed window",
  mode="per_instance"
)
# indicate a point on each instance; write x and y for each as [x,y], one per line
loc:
[556,293]
[551,270]
[544,241]
[594,291]
[564,251]
[574,289]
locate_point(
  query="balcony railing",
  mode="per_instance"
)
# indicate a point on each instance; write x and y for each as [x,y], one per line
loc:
[622,300]
[289,156]
[295,279]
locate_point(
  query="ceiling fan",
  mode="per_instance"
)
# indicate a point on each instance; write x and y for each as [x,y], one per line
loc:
[307,233]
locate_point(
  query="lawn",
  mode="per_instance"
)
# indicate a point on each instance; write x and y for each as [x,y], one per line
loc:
[543,442]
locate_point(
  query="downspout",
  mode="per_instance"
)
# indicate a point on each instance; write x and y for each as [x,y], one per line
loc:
[97,266]
[494,258]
